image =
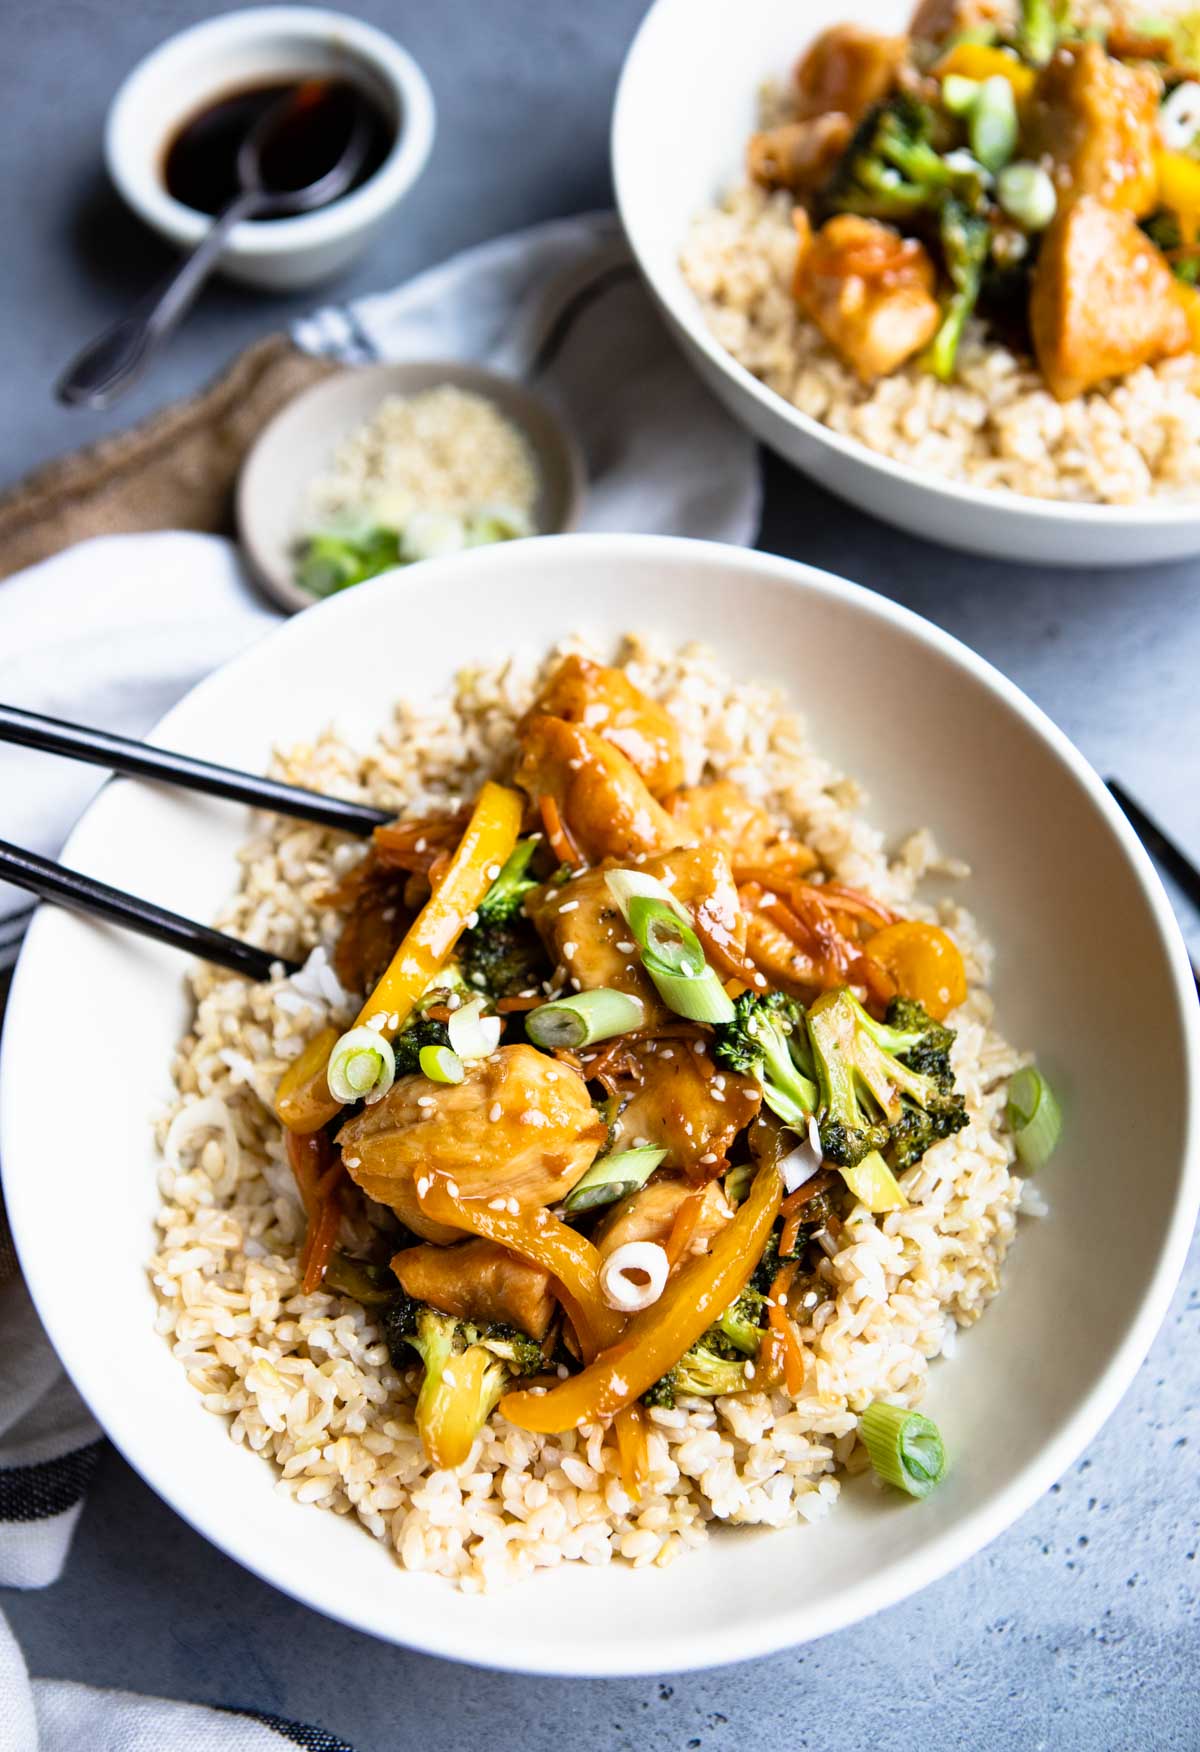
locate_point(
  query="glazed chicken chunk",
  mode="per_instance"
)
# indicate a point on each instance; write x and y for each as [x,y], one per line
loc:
[721,813]
[847,69]
[519,1126]
[586,933]
[606,701]
[602,799]
[1104,300]
[479,1281]
[649,1214]
[869,291]
[674,1098]
[798,156]
[1097,120]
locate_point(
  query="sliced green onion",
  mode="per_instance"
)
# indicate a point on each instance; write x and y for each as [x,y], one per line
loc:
[361,1066]
[627,885]
[992,128]
[1027,194]
[702,999]
[1034,1115]
[959,93]
[584,1017]
[613,1177]
[668,944]
[670,949]
[472,1034]
[737,1182]
[905,1447]
[441,1065]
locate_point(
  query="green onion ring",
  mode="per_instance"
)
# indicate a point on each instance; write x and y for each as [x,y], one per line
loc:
[905,1447]
[584,1017]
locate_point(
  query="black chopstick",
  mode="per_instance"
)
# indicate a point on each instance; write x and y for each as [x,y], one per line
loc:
[101,748]
[85,894]
[1156,842]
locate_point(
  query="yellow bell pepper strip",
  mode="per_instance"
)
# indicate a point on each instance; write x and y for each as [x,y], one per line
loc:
[982,61]
[303,1093]
[633,1449]
[1189,297]
[445,1419]
[303,1101]
[570,1258]
[657,1336]
[923,962]
[1179,189]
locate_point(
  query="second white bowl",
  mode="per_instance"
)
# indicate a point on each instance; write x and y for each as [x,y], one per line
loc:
[687,101]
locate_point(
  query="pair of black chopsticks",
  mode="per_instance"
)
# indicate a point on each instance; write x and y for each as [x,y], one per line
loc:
[52,881]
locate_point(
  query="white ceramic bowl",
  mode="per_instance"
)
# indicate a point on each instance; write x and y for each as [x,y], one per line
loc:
[258,47]
[1055,865]
[686,103]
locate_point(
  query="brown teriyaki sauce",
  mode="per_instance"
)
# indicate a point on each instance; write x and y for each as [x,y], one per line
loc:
[200,163]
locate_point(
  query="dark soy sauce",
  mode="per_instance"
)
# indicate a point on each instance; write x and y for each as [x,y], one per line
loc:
[200,166]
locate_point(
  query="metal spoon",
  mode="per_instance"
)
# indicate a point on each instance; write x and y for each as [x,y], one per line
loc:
[111,363]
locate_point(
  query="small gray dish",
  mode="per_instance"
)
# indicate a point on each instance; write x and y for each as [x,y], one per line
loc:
[298,445]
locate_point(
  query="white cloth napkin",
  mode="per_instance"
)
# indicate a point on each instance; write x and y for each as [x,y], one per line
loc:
[114,631]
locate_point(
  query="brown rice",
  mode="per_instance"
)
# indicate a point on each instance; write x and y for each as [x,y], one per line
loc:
[996,425]
[306,1380]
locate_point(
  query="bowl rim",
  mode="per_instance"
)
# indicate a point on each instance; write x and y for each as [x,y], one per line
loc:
[680,1649]
[132,158]
[682,308]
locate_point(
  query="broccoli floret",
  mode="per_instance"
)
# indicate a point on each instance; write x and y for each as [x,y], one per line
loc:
[467,1369]
[703,1372]
[966,242]
[717,1361]
[884,1086]
[763,1041]
[421,1031]
[502,958]
[505,898]
[741,1323]
[890,169]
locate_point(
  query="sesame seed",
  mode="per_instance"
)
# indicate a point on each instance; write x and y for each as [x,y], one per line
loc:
[710,1156]
[492,871]
[497,1204]
[352,1161]
[514,1207]
[562,1371]
[667,1052]
[421,844]
[452,1188]
[568,906]
[472,920]
[626,948]
[422,1186]
[699,1047]
[494,1111]
[568,950]
[749,1371]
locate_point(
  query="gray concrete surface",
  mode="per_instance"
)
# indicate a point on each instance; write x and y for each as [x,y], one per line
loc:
[1077,1630]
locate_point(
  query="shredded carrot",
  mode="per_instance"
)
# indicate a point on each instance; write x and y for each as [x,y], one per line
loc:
[561,843]
[505,1005]
[779,1321]
[630,1425]
[308,1155]
[853,900]
[683,1229]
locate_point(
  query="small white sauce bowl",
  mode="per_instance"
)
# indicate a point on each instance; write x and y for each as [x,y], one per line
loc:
[258,47]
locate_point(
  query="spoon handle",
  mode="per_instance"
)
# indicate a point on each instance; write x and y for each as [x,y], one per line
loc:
[107,366]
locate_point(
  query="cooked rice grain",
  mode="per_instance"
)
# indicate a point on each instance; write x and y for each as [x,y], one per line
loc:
[995,425]
[306,1380]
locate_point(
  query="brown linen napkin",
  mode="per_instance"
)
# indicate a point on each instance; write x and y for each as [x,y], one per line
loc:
[176,470]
